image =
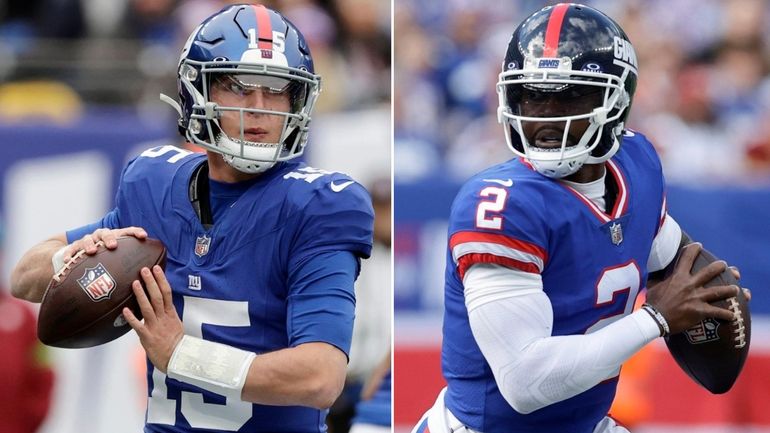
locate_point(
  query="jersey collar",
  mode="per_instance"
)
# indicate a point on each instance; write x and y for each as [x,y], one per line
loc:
[621,203]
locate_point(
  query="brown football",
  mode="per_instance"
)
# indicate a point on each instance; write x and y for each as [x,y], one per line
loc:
[712,352]
[83,304]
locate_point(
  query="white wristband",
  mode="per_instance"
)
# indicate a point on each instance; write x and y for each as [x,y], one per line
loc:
[212,366]
[58,259]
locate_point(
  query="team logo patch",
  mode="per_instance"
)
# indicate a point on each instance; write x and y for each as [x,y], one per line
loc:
[616,233]
[267,54]
[703,332]
[97,283]
[202,245]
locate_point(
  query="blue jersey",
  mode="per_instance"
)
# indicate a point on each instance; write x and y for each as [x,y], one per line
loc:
[592,264]
[244,282]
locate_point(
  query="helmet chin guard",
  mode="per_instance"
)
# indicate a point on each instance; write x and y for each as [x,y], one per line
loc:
[250,166]
[563,53]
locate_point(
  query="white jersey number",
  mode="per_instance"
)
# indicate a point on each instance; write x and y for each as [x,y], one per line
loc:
[308,174]
[493,207]
[613,282]
[230,416]
[156,152]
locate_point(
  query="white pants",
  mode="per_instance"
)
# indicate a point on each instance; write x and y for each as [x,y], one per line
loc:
[441,420]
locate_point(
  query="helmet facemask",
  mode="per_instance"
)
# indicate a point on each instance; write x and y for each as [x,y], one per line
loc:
[519,90]
[254,115]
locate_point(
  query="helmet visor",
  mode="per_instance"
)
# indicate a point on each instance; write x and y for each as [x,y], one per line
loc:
[554,99]
[256,91]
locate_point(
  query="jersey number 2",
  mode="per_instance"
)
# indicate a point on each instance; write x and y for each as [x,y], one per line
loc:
[488,211]
[230,416]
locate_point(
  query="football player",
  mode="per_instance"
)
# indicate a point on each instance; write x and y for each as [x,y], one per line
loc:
[262,251]
[547,252]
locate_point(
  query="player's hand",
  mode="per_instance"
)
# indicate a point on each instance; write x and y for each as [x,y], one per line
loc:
[737,274]
[107,236]
[162,329]
[682,299]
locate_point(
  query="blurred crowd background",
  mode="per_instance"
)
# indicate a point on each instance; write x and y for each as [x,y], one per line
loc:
[703,95]
[79,86]
[82,49]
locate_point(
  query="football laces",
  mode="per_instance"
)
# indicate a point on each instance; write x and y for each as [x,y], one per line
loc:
[72,262]
[740,329]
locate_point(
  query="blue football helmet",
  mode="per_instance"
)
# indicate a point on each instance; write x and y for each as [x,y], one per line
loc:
[246,49]
[579,57]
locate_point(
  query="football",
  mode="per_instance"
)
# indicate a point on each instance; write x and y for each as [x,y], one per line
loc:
[712,352]
[83,304]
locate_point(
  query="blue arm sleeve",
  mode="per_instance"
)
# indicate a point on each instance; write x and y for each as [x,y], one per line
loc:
[321,302]
[110,221]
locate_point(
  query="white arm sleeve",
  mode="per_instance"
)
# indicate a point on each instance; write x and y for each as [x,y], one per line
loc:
[665,245]
[533,369]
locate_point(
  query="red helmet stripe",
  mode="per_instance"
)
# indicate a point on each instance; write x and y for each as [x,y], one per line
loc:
[553,31]
[265,28]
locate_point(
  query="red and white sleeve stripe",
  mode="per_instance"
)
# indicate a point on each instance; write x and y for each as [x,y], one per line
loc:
[470,248]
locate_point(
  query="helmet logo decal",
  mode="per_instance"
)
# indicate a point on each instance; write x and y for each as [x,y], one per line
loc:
[592,67]
[549,63]
[624,53]
[564,63]
[553,31]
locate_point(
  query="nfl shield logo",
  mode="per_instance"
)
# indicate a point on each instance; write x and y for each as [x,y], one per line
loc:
[97,283]
[616,233]
[202,245]
[703,332]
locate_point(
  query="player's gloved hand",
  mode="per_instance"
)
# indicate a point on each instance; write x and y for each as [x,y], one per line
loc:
[682,299]
[107,236]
